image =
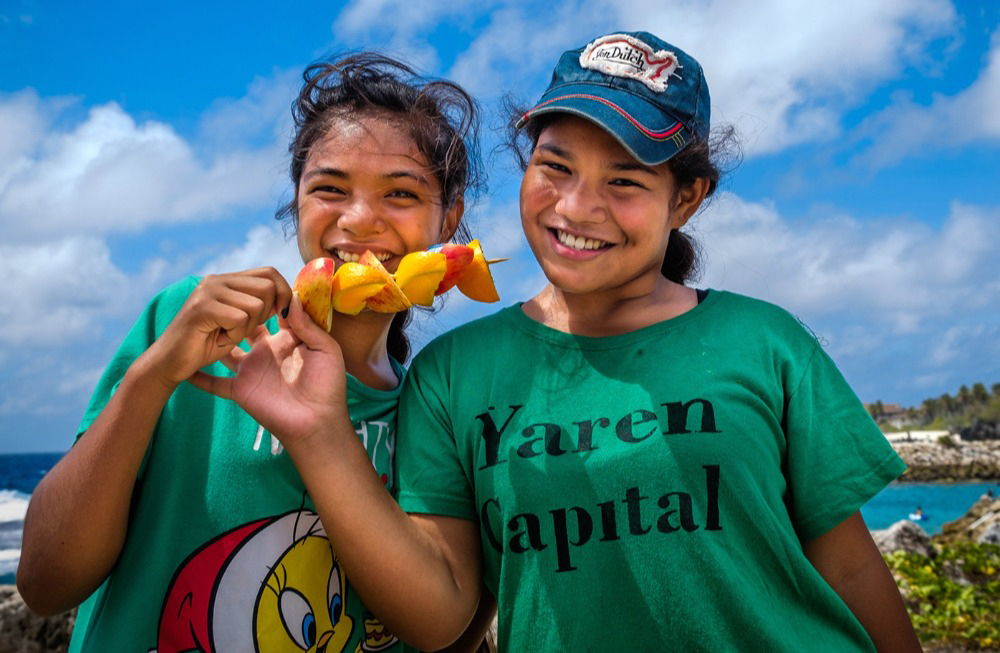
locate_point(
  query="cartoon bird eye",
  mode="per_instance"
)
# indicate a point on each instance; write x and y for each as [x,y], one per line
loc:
[336,608]
[334,598]
[297,618]
[309,630]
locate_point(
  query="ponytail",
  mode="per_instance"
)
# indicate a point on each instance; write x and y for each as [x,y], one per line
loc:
[682,259]
[398,345]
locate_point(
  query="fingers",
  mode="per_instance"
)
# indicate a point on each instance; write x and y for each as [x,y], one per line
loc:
[310,333]
[219,386]
[240,302]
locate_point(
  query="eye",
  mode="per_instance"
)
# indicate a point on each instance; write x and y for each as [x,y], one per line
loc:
[403,194]
[558,167]
[333,595]
[626,183]
[297,618]
[336,609]
[326,189]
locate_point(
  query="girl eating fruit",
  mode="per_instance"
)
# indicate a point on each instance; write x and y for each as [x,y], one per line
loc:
[183,520]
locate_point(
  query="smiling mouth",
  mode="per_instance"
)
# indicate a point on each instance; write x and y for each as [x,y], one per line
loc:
[579,242]
[351,257]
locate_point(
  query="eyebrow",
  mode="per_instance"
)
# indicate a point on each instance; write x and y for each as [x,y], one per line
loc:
[343,174]
[620,166]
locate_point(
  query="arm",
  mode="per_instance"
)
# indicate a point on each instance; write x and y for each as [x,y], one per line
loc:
[420,574]
[472,640]
[77,519]
[848,559]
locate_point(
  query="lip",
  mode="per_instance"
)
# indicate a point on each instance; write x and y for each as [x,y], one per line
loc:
[571,253]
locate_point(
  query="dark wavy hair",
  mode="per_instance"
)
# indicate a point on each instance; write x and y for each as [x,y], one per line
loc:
[440,116]
[711,160]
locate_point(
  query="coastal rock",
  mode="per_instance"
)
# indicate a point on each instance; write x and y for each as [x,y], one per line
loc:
[904,535]
[991,535]
[951,459]
[21,631]
[981,521]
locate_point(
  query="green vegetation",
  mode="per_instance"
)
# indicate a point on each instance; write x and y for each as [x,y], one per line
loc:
[953,597]
[969,406]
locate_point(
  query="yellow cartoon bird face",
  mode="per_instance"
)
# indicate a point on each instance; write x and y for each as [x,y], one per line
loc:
[302,605]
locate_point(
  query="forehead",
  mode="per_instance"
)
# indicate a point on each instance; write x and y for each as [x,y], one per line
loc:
[365,144]
[584,140]
[570,129]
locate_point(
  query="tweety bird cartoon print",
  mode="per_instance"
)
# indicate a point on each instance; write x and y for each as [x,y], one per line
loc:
[272,585]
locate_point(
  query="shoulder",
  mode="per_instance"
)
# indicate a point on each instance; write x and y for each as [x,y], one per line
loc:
[760,316]
[177,292]
[165,304]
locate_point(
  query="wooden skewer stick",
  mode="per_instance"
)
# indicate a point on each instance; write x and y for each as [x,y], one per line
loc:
[491,261]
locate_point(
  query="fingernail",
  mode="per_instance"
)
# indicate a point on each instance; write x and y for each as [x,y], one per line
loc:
[284,312]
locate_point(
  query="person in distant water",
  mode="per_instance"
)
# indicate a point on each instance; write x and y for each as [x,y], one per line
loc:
[633,464]
[184,521]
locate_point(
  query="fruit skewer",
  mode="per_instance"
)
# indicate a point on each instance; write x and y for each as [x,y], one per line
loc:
[420,276]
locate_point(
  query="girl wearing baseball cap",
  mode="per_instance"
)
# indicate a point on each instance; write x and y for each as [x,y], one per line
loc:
[627,462]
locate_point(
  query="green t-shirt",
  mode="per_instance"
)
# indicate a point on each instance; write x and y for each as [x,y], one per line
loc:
[646,491]
[224,551]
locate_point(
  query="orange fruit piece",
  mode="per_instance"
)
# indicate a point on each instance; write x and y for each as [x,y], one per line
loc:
[419,274]
[314,286]
[390,299]
[353,284]
[477,281]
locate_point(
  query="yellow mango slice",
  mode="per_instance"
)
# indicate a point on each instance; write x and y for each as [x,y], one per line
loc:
[419,274]
[477,282]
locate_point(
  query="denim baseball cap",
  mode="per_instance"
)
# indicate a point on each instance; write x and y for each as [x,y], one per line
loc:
[648,94]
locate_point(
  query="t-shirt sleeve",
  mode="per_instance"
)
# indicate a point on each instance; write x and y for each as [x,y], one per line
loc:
[150,324]
[838,458]
[434,478]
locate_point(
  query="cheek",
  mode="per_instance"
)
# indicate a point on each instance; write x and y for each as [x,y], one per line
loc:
[537,192]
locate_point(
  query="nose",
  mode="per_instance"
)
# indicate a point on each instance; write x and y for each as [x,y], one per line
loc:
[581,202]
[361,218]
[323,642]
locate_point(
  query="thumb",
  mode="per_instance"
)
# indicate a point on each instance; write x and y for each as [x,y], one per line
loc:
[310,333]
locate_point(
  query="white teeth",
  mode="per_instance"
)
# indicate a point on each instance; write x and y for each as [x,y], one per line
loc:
[349,257]
[579,242]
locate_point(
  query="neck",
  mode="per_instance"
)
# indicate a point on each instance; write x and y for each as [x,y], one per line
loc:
[362,340]
[610,313]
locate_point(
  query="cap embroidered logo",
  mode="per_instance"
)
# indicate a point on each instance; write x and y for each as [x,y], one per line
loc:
[621,55]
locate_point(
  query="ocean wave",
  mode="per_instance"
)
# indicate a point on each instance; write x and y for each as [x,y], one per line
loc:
[13,505]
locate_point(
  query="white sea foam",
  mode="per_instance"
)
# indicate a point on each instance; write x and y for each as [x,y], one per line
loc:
[13,505]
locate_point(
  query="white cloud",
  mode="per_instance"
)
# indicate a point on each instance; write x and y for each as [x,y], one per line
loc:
[262,246]
[59,293]
[109,174]
[899,273]
[262,114]
[784,71]
[947,122]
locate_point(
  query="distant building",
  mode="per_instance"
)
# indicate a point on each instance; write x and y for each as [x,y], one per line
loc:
[892,414]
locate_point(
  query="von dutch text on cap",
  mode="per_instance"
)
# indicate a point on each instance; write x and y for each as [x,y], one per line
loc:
[627,55]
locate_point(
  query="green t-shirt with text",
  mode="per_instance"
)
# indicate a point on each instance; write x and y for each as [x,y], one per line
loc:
[647,491]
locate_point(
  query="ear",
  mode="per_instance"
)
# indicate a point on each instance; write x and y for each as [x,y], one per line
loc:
[688,199]
[452,218]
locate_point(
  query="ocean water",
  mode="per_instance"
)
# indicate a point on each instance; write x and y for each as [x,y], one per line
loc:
[19,474]
[940,502]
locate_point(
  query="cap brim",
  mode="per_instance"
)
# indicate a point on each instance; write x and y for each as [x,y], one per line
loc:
[647,132]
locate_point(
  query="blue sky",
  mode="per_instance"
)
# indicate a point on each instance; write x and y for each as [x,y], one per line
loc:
[140,144]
